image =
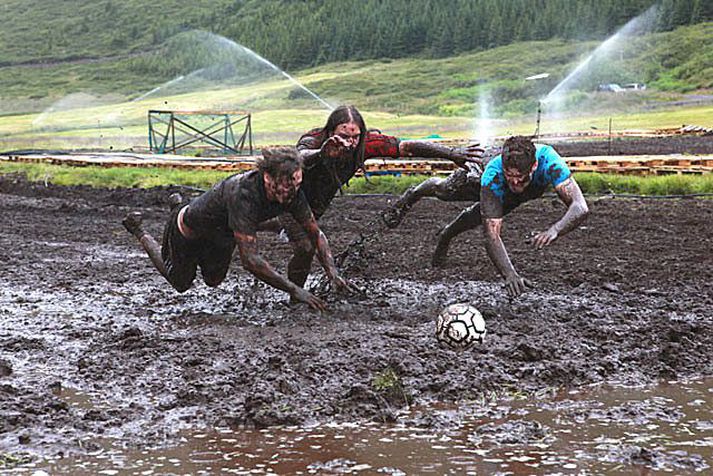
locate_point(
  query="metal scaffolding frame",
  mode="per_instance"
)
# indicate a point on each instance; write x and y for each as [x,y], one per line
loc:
[179,133]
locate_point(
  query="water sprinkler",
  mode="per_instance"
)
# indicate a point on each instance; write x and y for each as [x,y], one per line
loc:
[539,115]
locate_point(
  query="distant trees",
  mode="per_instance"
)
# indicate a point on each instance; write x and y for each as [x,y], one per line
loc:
[295,33]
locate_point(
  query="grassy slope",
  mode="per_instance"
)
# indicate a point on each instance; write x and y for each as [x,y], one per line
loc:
[153,177]
[409,97]
[39,30]
[673,61]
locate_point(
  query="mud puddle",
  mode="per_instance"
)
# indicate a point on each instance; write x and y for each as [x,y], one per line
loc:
[614,430]
[81,308]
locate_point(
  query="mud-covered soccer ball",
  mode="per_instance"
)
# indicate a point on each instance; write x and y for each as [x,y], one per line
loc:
[459,326]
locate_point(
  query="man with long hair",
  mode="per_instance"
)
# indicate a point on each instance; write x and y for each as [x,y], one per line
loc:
[204,232]
[332,156]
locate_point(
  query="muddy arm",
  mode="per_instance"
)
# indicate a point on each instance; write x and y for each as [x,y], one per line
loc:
[496,248]
[332,148]
[430,150]
[324,254]
[258,266]
[310,157]
[577,211]
[261,269]
[499,256]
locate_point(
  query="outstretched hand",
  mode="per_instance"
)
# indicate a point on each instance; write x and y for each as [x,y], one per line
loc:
[304,296]
[342,285]
[517,285]
[335,147]
[472,153]
[543,239]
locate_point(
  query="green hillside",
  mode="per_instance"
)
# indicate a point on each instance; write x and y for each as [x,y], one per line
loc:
[297,33]
[66,81]
[679,61]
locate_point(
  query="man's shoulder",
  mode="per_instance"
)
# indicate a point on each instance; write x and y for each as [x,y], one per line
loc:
[493,167]
[493,179]
[552,167]
[242,184]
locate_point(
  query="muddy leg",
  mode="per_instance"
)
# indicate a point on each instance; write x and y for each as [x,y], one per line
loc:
[133,223]
[301,262]
[178,271]
[433,187]
[466,220]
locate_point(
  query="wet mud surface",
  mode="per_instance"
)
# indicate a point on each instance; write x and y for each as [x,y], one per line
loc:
[681,144]
[95,345]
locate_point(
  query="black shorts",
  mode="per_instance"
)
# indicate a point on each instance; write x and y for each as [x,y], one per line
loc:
[182,256]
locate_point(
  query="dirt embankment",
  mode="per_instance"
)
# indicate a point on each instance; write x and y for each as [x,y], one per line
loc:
[683,144]
[625,298]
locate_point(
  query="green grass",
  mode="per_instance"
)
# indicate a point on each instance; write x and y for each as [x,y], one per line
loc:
[113,177]
[652,185]
[128,177]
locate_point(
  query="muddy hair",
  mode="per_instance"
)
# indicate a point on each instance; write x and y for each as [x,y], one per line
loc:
[344,115]
[279,162]
[519,153]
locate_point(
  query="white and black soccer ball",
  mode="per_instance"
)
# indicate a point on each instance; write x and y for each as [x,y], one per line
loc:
[459,326]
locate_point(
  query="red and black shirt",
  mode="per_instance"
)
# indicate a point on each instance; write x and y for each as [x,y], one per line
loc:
[322,181]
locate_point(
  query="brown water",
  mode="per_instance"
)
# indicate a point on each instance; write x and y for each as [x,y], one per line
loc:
[609,429]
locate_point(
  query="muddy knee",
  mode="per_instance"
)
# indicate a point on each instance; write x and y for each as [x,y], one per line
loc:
[213,278]
[181,284]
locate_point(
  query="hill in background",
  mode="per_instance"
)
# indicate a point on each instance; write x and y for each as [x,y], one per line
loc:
[94,69]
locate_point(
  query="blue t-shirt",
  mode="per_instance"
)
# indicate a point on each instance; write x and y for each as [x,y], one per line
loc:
[496,198]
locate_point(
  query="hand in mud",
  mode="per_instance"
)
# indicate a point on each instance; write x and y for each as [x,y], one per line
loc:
[342,285]
[543,239]
[517,285]
[334,147]
[470,154]
[302,295]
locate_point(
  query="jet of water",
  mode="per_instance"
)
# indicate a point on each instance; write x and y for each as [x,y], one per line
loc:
[234,45]
[158,88]
[484,123]
[635,25]
[68,102]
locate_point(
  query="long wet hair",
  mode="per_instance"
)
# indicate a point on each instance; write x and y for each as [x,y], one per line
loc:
[345,115]
[519,153]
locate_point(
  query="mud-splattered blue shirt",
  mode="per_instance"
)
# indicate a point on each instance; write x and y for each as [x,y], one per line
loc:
[496,198]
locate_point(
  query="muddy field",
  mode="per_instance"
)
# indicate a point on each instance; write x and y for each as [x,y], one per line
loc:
[626,298]
[681,144]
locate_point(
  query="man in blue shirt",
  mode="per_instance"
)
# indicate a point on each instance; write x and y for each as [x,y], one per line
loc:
[522,172]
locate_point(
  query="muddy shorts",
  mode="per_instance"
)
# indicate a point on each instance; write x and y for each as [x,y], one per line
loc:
[463,185]
[182,256]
